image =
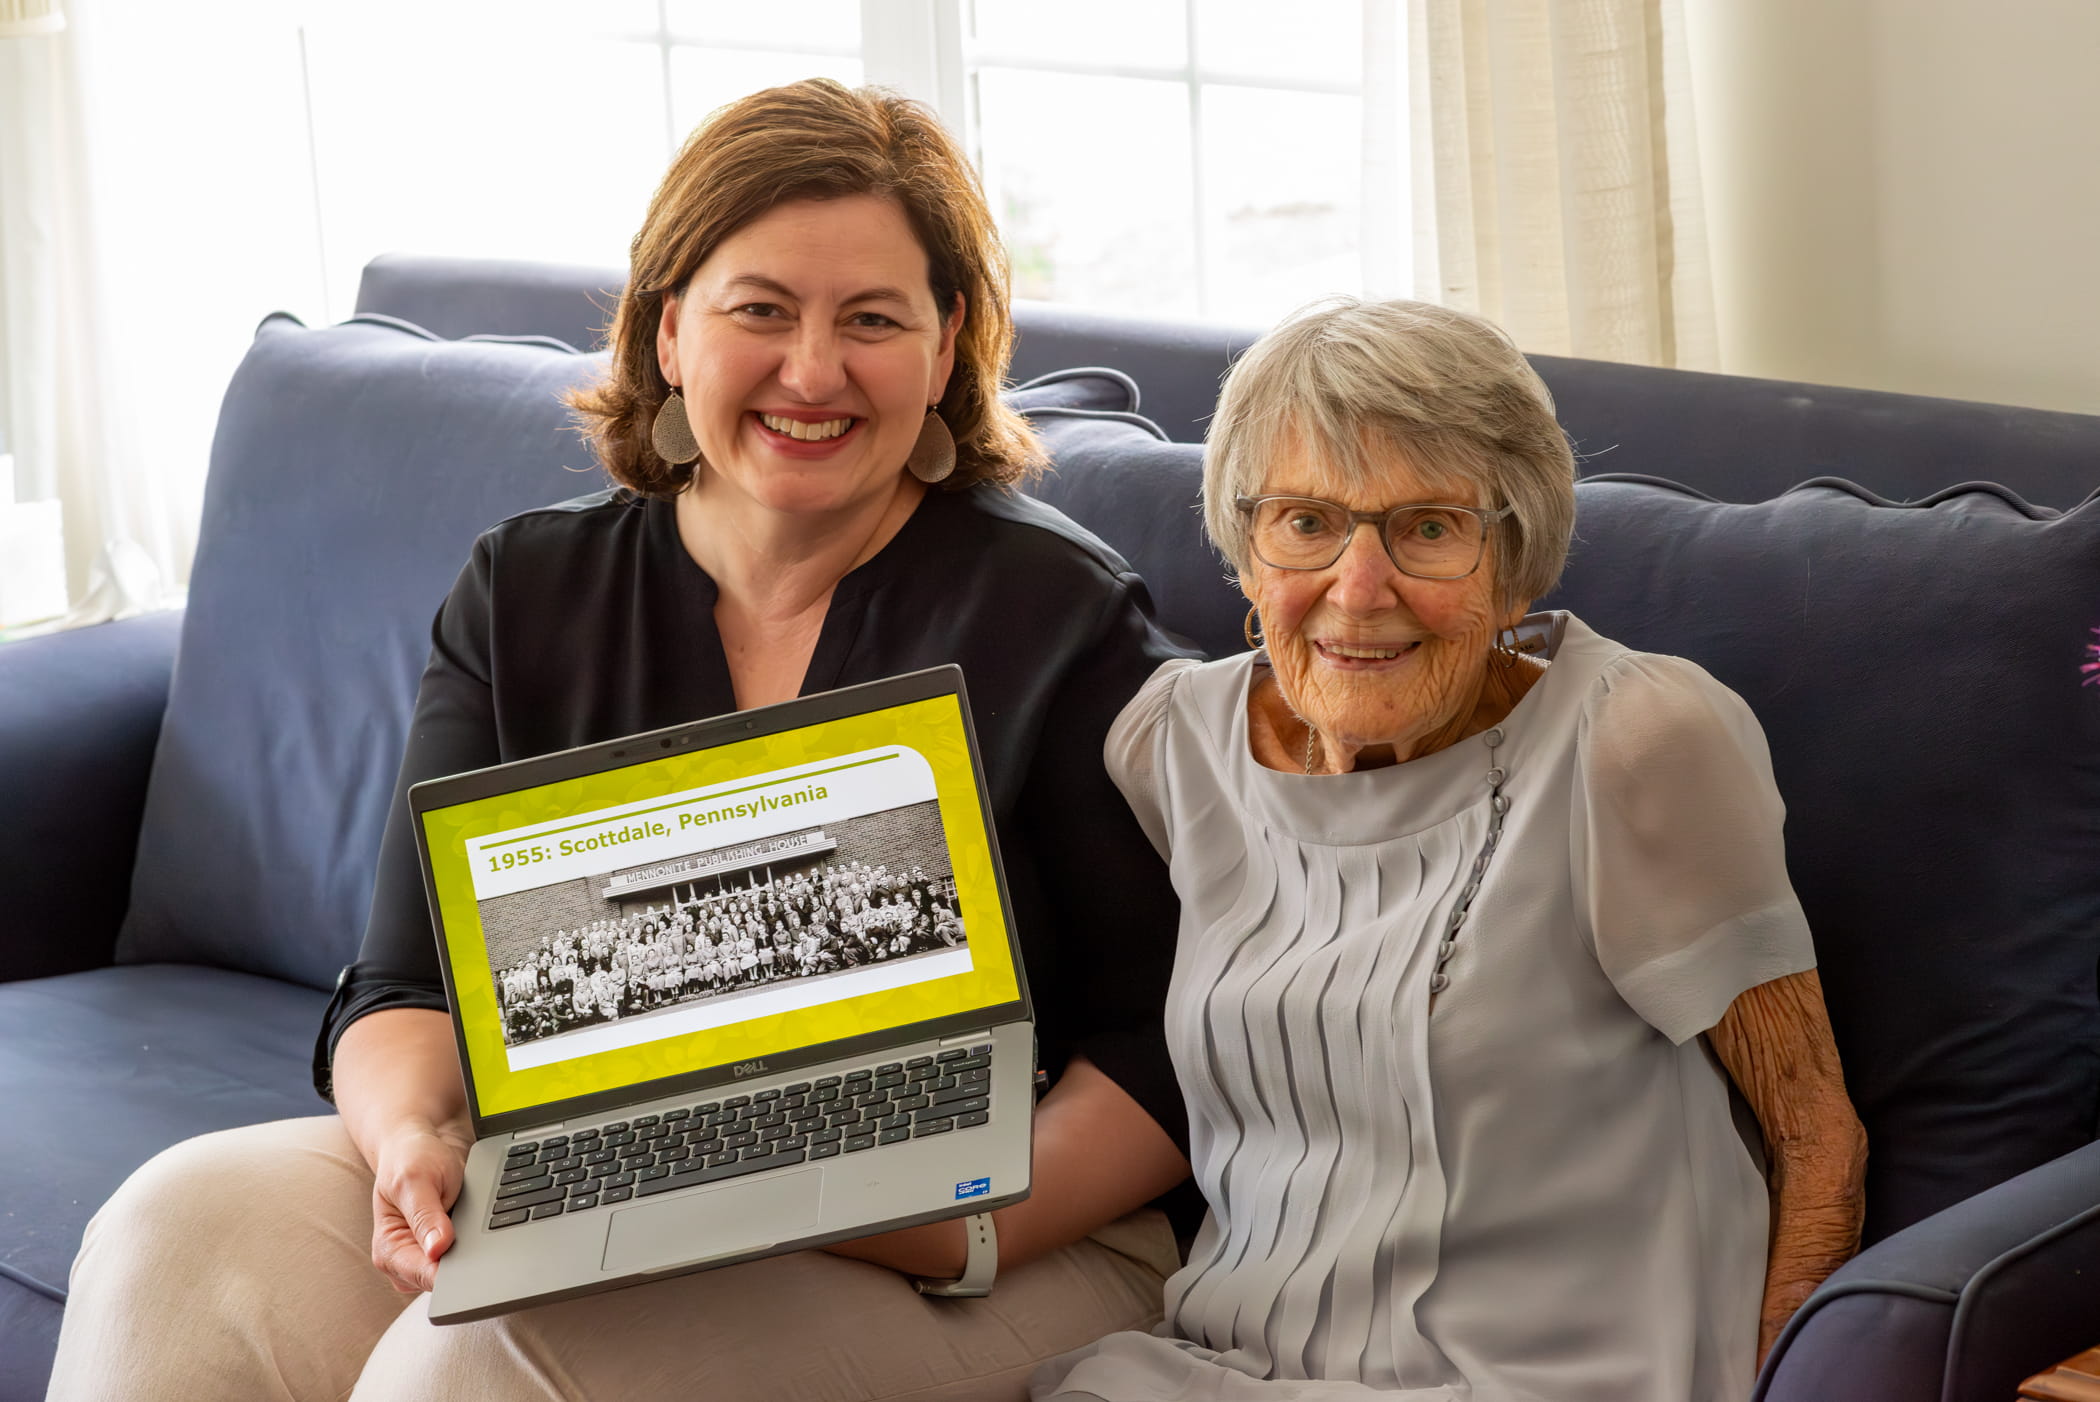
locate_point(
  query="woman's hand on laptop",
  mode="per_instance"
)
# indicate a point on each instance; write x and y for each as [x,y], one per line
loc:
[398,1087]
[414,1186]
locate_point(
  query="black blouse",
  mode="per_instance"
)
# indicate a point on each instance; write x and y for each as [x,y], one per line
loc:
[588,621]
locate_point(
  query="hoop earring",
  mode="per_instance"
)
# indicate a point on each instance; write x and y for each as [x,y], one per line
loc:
[1507,654]
[933,456]
[1254,640]
[672,432]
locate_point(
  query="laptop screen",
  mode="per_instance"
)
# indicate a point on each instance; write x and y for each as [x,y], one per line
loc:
[716,906]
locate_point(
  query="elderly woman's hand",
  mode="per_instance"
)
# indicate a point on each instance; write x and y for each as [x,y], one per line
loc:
[1775,1041]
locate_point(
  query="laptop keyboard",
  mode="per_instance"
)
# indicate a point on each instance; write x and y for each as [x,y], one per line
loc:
[739,1134]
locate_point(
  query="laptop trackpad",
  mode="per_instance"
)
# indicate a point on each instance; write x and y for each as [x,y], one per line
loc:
[713,1222]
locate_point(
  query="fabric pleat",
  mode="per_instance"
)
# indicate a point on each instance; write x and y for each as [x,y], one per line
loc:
[1312,1026]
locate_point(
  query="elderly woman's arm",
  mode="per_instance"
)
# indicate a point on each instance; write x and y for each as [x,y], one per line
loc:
[1775,1041]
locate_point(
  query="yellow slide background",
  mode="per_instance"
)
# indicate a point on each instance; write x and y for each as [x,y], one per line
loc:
[932,727]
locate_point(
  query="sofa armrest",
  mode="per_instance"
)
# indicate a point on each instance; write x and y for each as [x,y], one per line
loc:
[1965,1304]
[80,712]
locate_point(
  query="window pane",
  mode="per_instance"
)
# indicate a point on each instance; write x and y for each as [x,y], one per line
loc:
[478,148]
[437,23]
[1146,32]
[1319,41]
[818,24]
[704,79]
[1090,178]
[625,19]
[1281,199]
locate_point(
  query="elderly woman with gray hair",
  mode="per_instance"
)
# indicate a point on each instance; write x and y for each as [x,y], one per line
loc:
[1485,919]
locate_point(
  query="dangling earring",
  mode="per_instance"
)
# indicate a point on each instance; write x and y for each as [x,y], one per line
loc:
[672,433]
[933,456]
[1247,629]
[1506,654]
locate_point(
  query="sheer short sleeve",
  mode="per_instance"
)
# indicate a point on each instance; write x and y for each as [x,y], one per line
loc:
[1679,866]
[1132,747]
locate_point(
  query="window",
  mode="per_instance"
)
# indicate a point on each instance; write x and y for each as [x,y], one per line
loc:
[527,130]
[1192,158]
[1203,162]
[1198,158]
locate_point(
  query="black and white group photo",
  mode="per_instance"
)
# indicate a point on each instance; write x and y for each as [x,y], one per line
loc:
[722,923]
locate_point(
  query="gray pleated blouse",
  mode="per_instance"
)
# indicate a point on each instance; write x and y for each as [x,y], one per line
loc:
[1534,1190]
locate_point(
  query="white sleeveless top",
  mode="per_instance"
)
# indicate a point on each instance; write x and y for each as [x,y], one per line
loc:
[1538,1192]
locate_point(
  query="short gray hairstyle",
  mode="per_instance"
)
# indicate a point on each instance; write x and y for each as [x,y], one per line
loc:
[1349,382]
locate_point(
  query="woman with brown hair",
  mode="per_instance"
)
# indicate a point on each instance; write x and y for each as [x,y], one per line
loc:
[814,472]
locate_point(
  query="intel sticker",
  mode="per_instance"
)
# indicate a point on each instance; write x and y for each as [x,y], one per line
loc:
[975,1188]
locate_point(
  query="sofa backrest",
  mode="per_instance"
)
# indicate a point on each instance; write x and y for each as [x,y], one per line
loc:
[1917,670]
[1730,436]
[460,297]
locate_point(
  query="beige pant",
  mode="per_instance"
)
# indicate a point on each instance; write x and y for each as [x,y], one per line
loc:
[237,1266]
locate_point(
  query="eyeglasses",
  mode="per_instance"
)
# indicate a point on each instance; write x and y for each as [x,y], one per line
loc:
[1428,540]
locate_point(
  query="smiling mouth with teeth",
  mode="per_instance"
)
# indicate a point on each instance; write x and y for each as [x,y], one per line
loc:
[1366,654]
[806,432]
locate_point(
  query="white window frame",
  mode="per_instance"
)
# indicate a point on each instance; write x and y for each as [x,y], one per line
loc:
[923,49]
[917,47]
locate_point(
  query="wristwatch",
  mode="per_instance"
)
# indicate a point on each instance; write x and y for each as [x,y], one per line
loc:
[979,1267]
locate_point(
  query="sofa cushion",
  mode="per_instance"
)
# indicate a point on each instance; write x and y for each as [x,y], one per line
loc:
[1965,1304]
[352,469]
[1917,671]
[103,1069]
[80,711]
[1118,476]
[1178,362]
[1090,387]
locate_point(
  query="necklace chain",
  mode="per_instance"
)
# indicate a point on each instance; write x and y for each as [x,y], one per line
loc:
[1498,808]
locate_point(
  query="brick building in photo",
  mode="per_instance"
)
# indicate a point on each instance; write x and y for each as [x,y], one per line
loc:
[899,838]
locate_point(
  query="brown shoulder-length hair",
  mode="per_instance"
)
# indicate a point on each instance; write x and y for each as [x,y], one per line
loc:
[815,140]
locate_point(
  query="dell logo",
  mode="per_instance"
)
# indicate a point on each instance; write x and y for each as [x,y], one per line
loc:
[749,1068]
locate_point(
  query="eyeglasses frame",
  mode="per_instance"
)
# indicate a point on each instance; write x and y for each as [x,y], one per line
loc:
[1487,518]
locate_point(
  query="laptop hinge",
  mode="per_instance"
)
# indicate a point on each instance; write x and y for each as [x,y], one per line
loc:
[537,1131]
[961,1039]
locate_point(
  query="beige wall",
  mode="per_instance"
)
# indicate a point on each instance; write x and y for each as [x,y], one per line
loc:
[1905,194]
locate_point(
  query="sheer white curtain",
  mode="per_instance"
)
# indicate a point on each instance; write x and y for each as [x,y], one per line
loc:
[156,199]
[1550,156]
[126,541]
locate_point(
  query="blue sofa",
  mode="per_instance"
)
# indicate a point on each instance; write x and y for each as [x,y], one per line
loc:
[192,801]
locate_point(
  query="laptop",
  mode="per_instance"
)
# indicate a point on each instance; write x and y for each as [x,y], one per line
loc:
[727,990]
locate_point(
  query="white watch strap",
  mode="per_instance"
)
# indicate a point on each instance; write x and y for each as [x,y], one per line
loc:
[979,1267]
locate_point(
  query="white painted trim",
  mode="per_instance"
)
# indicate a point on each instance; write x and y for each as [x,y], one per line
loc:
[1160,72]
[916,47]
